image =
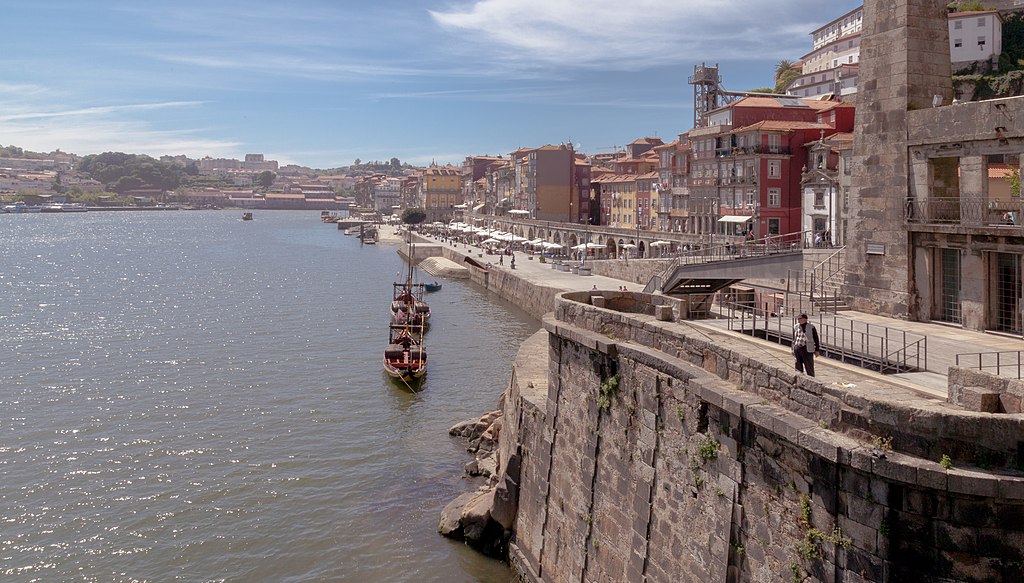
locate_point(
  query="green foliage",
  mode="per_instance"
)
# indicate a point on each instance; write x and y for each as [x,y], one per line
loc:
[883,528]
[708,448]
[762,90]
[881,443]
[681,414]
[946,462]
[265,179]
[966,6]
[798,575]
[785,72]
[698,480]
[413,216]
[805,510]
[607,391]
[121,172]
[13,151]
[1014,180]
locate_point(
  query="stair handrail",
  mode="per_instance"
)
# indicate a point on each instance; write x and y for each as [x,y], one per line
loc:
[738,248]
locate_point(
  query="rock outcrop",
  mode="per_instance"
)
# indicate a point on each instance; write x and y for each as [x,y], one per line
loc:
[484,519]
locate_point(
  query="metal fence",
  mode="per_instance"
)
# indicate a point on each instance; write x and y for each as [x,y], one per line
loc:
[966,210]
[736,247]
[1009,363]
[881,348]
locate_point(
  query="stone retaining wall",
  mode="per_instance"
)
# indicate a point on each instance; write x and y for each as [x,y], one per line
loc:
[701,464]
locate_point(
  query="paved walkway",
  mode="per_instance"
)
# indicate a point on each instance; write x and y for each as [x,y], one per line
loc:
[944,342]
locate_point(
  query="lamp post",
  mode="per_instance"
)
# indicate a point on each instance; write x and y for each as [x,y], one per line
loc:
[639,217]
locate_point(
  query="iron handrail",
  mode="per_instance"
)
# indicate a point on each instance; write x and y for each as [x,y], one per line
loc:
[891,349]
[1019,364]
[737,248]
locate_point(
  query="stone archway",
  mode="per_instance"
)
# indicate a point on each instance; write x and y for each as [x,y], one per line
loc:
[641,249]
[572,241]
[557,238]
[530,236]
[610,247]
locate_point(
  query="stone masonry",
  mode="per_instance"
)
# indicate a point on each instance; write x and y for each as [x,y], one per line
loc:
[662,454]
[904,64]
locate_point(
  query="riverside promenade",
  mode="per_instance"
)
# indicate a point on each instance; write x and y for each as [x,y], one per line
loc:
[944,342]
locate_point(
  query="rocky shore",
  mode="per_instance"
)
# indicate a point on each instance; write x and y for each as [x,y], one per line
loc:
[484,519]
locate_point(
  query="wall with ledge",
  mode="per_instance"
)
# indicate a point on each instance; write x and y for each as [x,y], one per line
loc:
[712,461]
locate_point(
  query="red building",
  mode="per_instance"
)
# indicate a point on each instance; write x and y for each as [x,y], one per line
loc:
[747,163]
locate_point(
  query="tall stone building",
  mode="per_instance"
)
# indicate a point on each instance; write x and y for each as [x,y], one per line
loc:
[927,240]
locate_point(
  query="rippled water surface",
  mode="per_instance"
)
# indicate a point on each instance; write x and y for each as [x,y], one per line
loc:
[188,397]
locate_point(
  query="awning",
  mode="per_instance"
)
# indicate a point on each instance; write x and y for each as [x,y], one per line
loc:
[477,208]
[518,212]
[735,219]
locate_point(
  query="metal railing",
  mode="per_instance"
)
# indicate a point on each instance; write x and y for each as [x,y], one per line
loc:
[821,283]
[965,210]
[1009,363]
[736,247]
[881,348]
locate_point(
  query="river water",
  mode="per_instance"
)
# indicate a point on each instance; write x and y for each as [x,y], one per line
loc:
[185,396]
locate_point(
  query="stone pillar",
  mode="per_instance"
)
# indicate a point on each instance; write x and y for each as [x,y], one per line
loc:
[904,63]
[973,190]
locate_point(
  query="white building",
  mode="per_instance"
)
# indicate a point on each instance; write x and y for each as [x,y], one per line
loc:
[832,65]
[975,36]
[387,194]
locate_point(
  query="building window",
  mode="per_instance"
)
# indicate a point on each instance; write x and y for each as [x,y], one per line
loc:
[774,197]
[774,168]
[774,226]
[981,22]
[958,42]
[958,25]
[981,42]
[819,199]
[949,286]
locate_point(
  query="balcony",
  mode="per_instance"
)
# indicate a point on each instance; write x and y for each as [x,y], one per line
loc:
[966,211]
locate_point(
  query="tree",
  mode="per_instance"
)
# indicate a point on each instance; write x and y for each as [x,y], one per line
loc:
[782,68]
[357,162]
[396,164]
[413,216]
[265,179]
[762,90]
[1014,179]
[785,73]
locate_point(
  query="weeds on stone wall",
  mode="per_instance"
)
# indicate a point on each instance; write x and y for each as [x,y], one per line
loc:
[708,448]
[607,392]
[946,462]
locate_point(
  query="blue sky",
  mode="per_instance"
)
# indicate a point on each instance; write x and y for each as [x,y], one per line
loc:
[321,83]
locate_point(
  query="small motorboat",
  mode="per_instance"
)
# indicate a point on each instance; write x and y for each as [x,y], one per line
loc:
[246,216]
[432,287]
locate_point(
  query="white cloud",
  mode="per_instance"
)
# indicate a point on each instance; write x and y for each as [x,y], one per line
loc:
[90,130]
[636,34]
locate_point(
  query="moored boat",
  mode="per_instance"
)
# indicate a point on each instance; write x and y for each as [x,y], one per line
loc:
[405,358]
[247,216]
[432,287]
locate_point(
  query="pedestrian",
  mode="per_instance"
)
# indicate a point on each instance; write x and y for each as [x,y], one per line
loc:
[513,262]
[806,345]
[501,260]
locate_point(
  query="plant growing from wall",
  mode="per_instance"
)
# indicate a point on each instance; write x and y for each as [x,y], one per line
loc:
[946,462]
[607,392]
[708,448]
[1014,180]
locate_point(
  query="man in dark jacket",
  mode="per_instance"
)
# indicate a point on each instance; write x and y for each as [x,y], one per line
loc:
[806,344]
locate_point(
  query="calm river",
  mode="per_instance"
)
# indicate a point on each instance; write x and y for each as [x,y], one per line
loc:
[188,397]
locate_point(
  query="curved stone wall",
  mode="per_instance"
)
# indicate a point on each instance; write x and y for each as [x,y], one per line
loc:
[665,454]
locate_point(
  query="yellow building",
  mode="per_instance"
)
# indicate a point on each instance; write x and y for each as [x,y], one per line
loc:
[440,190]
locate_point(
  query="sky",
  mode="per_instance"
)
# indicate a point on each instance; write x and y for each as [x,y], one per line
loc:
[321,83]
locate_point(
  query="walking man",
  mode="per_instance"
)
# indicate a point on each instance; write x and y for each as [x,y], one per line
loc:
[806,344]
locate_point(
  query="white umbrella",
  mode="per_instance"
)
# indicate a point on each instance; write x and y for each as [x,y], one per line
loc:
[518,239]
[628,246]
[552,245]
[489,242]
[518,212]
[580,247]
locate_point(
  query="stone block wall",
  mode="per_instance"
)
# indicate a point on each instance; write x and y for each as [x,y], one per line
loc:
[977,390]
[637,271]
[699,465]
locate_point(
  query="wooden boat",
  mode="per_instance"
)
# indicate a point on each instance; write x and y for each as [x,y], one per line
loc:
[432,287]
[246,216]
[408,297]
[405,358]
